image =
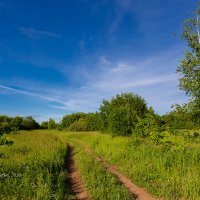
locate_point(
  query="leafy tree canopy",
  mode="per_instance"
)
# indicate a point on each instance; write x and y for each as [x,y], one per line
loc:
[189,68]
[52,124]
[120,115]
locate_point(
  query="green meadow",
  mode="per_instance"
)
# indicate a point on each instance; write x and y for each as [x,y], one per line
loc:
[167,171]
[34,167]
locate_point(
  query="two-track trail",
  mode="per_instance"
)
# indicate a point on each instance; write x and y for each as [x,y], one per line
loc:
[138,192]
[77,186]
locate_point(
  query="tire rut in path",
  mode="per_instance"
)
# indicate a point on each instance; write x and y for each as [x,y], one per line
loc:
[75,181]
[138,192]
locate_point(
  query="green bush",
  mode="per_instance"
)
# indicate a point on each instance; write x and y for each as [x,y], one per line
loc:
[52,124]
[67,120]
[29,123]
[149,127]
[88,121]
[5,141]
[119,116]
[44,125]
[80,125]
[4,128]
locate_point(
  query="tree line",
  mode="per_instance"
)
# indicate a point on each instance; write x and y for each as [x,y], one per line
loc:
[121,115]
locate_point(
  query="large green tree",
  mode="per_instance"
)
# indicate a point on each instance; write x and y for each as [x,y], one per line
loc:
[52,124]
[189,68]
[120,115]
[67,120]
[29,123]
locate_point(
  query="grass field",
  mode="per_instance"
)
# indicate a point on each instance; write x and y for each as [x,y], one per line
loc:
[34,167]
[101,184]
[170,173]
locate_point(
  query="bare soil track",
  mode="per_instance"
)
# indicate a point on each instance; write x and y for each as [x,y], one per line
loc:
[76,183]
[139,193]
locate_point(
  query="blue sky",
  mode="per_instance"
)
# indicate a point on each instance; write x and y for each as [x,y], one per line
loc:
[65,56]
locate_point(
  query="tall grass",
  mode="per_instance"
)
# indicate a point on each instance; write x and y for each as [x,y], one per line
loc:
[171,173]
[33,168]
[100,183]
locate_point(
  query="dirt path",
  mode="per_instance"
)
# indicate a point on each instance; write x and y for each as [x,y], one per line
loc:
[76,183]
[139,193]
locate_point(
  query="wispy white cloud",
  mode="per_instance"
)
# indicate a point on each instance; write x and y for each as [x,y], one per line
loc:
[115,23]
[35,54]
[30,94]
[68,102]
[121,9]
[104,60]
[152,77]
[125,5]
[36,34]
[37,58]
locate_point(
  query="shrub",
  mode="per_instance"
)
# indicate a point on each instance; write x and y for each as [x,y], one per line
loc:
[5,141]
[149,127]
[67,120]
[80,125]
[44,125]
[29,123]
[52,124]
[119,116]
[4,128]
